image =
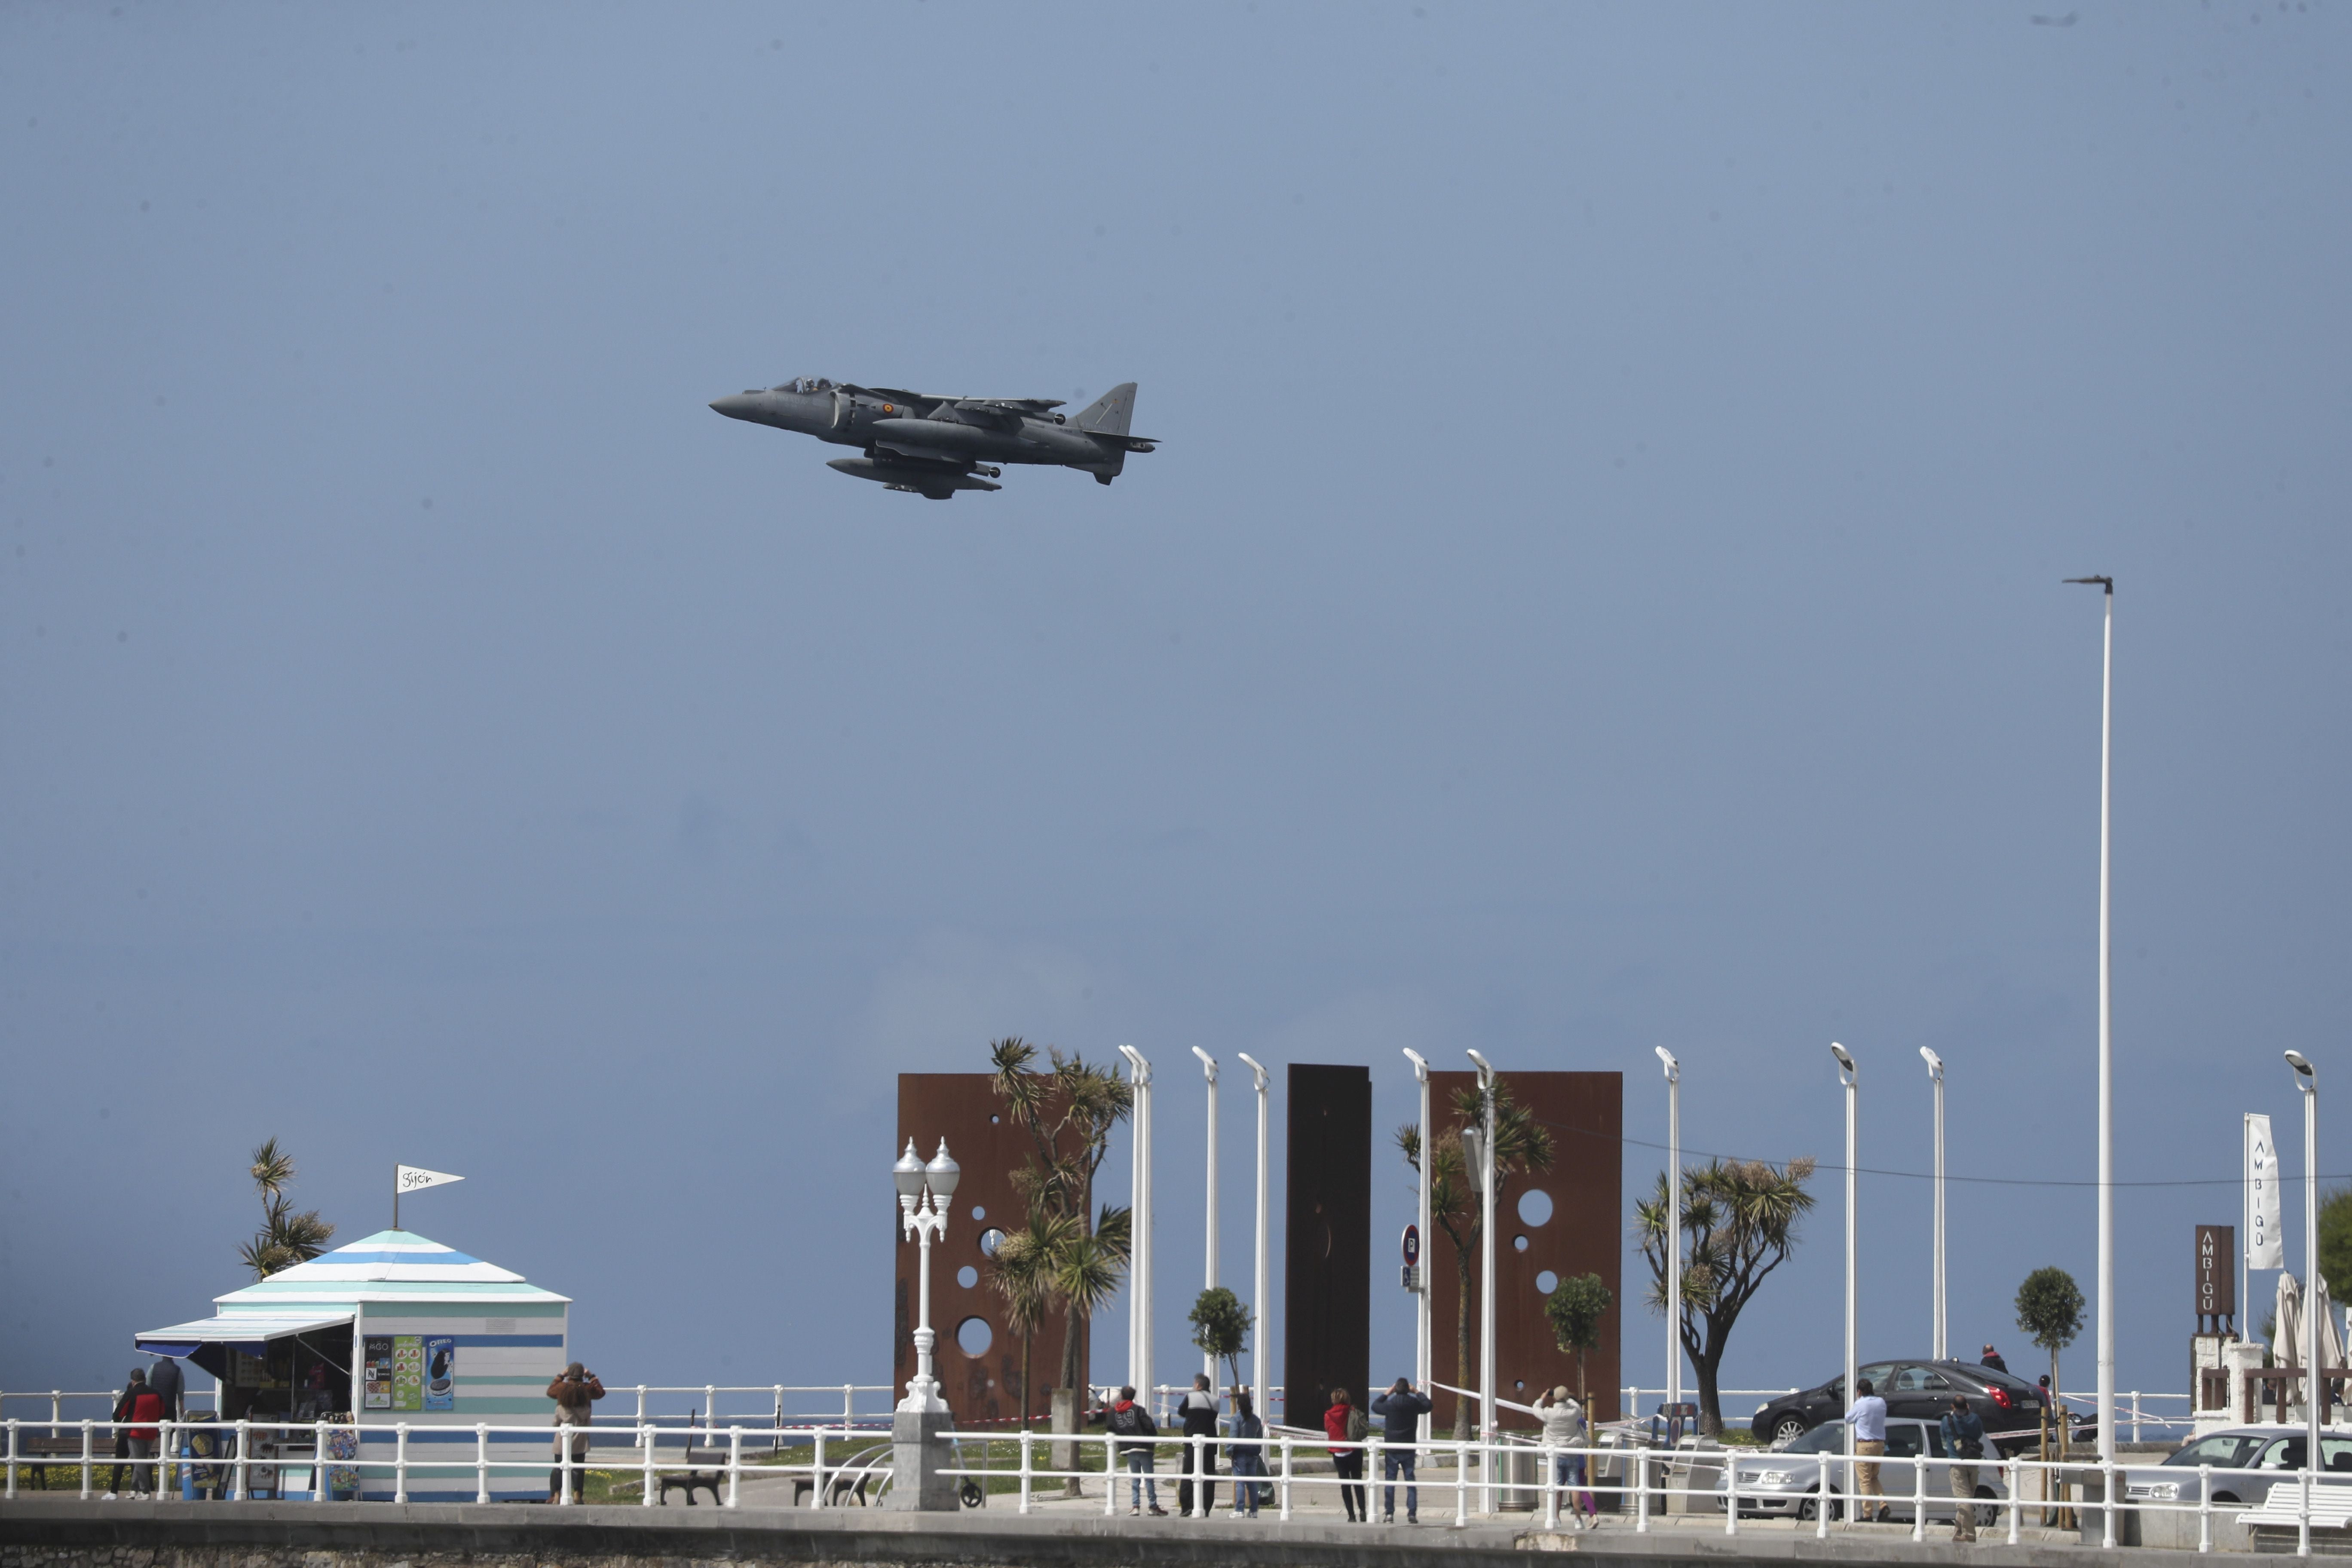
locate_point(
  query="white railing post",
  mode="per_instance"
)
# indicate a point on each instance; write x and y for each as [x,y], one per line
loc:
[2303,1510]
[641,1404]
[1024,1469]
[1286,1477]
[848,1405]
[400,1462]
[645,1436]
[817,1470]
[318,1462]
[1919,1491]
[481,1461]
[86,1428]
[734,1464]
[12,1457]
[1821,1502]
[710,1414]
[2016,1504]
[243,1448]
[1461,1486]
[2204,1508]
[1730,1494]
[1550,1459]
[2135,1414]
[1642,1491]
[1110,1474]
[56,1410]
[2106,1503]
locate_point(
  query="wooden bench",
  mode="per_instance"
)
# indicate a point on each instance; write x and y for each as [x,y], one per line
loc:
[691,1478]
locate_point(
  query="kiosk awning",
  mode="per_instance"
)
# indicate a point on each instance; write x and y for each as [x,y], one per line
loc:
[249,1332]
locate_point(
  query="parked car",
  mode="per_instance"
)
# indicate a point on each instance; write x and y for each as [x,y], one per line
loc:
[2009,1407]
[1787,1483]
[2247,1462]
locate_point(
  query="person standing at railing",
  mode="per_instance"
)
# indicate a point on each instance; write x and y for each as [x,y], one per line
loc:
[1964,1443]
[1564,1428]
[1345,1425]
[124,1403]
[146,1405]
[1992,1359]
[1131,1425]
[1400,1410]
[1197,1415]
[164,1377]
[1248,1457]
[575,1391]
[1868,1419]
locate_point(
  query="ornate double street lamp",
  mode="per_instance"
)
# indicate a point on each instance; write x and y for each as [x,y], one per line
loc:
[918,1447]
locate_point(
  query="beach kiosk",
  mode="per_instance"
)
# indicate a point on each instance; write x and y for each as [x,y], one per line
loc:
[396,1330]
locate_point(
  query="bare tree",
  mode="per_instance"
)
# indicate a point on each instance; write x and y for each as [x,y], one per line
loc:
[1739,1223]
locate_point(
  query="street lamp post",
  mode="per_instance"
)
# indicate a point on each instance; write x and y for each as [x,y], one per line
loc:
[1936,1072]
[2106,1043]
[1486,1157]
[1209,1279]
[1674,1242]
[1849,1076]
[1138,1323]
[1261,1276]
[923,1194]
[2306,1078]
[1421,1357]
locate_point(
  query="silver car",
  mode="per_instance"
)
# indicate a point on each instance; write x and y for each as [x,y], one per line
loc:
[2247,1462]
[1786,1484]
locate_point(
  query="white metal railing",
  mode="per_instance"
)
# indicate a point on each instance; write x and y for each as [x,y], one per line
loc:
[2131,1408]
[267,1456]
[708,1396]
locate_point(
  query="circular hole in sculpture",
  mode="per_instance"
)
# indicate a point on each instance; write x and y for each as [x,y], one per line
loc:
[967,1276]
[1519,1244]
[1546,1282]
[990,1240]
[978,1212]
[1535,1206]
[974,1336]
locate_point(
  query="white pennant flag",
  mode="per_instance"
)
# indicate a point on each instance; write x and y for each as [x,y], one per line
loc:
[2265,1248]
[410,1178]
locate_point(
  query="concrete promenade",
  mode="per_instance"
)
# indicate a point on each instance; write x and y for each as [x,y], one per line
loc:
[39,1532]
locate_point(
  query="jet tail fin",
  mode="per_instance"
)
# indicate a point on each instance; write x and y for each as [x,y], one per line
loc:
[1110,415]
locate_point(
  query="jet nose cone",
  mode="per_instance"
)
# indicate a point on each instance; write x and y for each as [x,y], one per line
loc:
[738,405]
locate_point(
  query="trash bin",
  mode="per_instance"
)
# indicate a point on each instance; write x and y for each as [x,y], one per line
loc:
[1519,1472]
[199,1480]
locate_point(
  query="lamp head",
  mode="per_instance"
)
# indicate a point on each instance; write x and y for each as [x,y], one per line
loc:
[1485,1070]
[1473,1157]
[942,1173]
[2106,582]
[1420,1065]
[2306,1076]
[1844,1062]
[1935,1064]
[1208,1064]
[1673,1068]
[1138,1069]
[907,1175]
[1250,1062]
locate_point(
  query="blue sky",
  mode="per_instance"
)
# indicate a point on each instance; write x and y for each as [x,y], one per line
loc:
[1598,589]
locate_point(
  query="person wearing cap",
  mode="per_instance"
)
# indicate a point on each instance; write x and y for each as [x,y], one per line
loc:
[574,1390]
[1564,1428]
[1964,1441]
[1992,1359]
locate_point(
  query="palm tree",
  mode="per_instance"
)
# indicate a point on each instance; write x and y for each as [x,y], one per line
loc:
[1739,1223]
[1521,1143]
[285,1238]
[1022,1274]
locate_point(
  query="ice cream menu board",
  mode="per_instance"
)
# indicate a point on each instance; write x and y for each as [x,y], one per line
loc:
[395,1374]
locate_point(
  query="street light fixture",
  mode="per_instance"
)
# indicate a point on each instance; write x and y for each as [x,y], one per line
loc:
[1209,1281]
[1139,1324]
[2106,1044]
[1421,1350]
[1674,1244]
[1486,1160]
[1262,1275]
[922,1217]
[1936,1071]
[1850,1075]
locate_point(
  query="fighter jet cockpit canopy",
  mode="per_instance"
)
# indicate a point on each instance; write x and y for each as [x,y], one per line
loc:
[806,383]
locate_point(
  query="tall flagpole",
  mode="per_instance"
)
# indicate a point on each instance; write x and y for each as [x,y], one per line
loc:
[2106,1043]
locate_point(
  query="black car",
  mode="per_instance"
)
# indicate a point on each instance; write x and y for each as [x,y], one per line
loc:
[2009,1407]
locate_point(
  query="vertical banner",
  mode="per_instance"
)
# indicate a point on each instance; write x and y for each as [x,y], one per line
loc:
[440,1373]
[2266,1248]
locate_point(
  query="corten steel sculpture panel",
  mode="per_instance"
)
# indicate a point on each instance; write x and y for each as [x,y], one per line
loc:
[991,1147]
[1327,1280]
[1585,1234]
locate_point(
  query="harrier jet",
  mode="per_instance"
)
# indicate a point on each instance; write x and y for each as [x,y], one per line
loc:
[937,446]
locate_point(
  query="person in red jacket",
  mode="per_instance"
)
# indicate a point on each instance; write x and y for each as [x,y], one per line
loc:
[1346,1426]
[146,1405]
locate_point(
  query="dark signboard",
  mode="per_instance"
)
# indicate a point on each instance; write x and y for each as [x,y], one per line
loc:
[2217,1275]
